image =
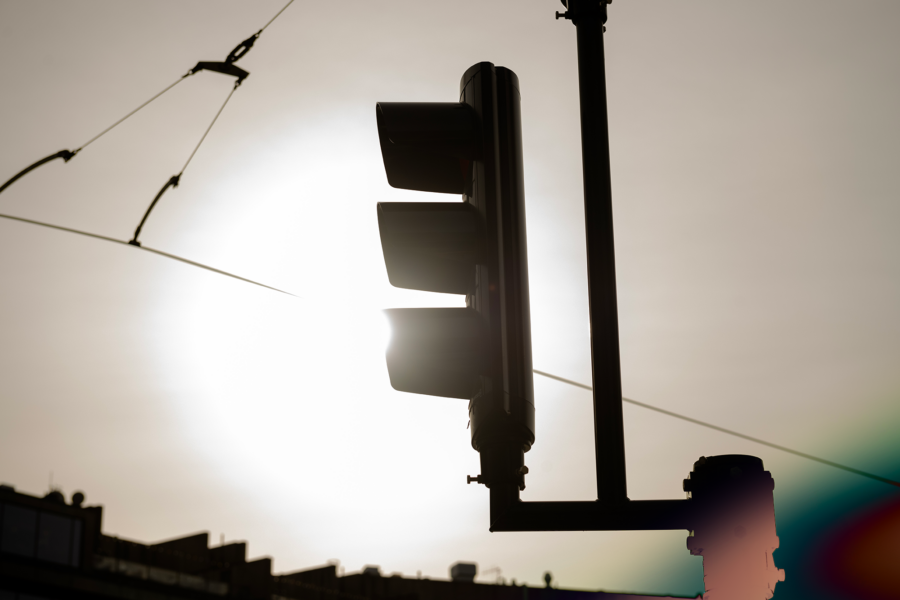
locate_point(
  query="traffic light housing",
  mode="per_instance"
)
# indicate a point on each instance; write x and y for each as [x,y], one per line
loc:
[476,248]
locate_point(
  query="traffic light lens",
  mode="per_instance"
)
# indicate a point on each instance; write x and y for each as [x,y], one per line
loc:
[436,351]
[428,146]
[431,246]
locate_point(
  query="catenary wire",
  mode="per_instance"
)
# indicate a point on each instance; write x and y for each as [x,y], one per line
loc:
[111,127]
[245,45]
[175,179]
[166,89]
[197,147]
[278,14]
[730,432]
[159,252]
[179,80]
[536,371]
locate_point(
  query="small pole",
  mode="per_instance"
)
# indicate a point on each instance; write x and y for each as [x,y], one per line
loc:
[589,17]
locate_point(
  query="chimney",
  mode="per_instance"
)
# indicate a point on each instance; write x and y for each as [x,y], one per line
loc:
[463,572]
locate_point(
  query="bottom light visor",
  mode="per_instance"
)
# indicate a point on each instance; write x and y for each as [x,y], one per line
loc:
[437,351]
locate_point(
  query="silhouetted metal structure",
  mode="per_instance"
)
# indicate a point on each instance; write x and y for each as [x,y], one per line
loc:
[226,67]
[483,352]
[476,247]
[609,439]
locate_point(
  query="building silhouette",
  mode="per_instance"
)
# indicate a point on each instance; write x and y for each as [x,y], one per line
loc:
[53,550]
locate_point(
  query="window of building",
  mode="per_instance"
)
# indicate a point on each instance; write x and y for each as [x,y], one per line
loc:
[37,534]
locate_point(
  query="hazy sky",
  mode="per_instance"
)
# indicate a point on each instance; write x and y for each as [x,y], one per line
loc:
[755,156]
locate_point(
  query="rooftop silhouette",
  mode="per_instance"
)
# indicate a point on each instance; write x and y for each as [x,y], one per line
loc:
[51,549]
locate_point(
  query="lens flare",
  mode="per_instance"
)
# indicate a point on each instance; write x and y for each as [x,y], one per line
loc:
[861,556]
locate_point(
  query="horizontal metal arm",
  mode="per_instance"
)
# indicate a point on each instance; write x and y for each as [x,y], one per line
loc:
[633,515]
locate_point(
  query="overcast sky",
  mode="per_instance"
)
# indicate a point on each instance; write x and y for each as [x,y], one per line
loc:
[755,153]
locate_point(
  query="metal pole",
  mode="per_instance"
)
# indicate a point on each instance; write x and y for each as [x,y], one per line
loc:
[589,17]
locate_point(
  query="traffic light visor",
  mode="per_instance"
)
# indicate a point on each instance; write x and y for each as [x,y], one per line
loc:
[428,146]
[436,351]
[431,246]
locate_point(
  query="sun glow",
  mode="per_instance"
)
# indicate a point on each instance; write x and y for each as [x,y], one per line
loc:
[292,393]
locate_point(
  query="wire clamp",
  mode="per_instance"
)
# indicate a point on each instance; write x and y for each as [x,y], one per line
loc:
[225,68]
[243,48]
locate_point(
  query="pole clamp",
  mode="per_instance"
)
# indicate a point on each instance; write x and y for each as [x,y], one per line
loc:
[576,9]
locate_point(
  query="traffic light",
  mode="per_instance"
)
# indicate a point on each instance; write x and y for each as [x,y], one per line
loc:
[476,248]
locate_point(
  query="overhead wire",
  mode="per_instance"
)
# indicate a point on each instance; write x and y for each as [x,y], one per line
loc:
[730,432]
[176,179]
[227,68]
[278,14]
[536,371]
[67,155]
[182,78]
[205,133]
[111,127]
[169,87]
[153,250]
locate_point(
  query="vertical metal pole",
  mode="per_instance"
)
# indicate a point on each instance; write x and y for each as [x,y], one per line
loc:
[589,17]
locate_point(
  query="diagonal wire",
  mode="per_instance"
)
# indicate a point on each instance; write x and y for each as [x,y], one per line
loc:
[730,432]
[159,252]
[197,147]
[275,17]
[110,128]
[173,181]
[536,371]
[179,80]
